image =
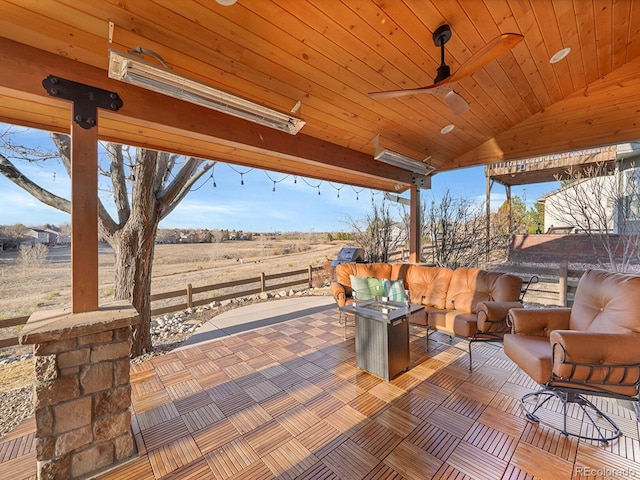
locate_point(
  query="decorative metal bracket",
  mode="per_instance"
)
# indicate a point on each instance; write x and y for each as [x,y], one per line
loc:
[86,99]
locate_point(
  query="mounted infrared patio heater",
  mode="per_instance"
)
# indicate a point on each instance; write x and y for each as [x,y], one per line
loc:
[399,160]
[132,68]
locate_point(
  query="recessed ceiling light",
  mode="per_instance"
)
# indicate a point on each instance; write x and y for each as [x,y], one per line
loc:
[226,3]
[447,128]
[560,55]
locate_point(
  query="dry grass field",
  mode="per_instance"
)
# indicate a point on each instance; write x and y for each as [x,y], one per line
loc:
[23,289]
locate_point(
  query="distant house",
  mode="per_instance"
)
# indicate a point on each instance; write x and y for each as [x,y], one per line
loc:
[36,235]
[613,201]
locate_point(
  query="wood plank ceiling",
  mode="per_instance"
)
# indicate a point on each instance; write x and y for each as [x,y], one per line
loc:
[328,55]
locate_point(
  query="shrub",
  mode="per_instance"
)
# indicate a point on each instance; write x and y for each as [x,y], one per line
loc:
[33,255]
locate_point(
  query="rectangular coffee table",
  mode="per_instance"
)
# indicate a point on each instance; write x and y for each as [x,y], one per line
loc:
[382,336]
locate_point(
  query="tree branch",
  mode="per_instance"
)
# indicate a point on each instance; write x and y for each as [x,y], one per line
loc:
[12,173]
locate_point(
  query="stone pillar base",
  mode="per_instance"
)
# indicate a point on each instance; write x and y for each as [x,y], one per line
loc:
[82,395]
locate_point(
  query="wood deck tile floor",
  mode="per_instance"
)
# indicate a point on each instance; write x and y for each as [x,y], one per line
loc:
[287,401]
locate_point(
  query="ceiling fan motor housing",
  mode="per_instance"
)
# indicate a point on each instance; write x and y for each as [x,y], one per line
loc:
[441,35]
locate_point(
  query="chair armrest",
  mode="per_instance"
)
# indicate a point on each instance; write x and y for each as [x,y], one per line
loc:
[539,322]
[339,293]
[609,360]
[492,315]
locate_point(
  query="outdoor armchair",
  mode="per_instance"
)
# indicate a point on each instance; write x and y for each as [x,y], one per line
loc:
[590,349]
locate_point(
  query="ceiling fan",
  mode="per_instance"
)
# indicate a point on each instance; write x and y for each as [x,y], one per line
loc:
[444,81]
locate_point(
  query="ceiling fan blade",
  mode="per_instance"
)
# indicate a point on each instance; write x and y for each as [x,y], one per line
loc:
[400,93]
[485,55]
[456,103]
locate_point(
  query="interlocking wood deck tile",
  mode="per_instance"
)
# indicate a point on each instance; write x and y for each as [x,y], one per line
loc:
[377,439]
[267,437]
[138,469]
[492,441]
[412,462]
[550,441]
[202,417]
[433,440]
[503,421]
[464,405]
[216,435]
[451,421]
[369,405]
[287,401]
[541,464]
[476,463]
[350,461]
[231,458]
[321,439]
[289,460]
[400,421]
[164,433]
[17,445]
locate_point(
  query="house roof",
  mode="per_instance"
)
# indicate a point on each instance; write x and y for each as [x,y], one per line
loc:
[328,56]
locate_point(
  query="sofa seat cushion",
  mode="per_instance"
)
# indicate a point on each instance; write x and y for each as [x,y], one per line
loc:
[428,285]
[446,321]
[532,354]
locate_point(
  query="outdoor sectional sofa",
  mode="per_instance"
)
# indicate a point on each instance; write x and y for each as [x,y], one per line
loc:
[466,302]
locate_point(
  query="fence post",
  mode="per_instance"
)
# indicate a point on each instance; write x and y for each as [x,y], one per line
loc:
[562,284]
[263,283]
[310,269]
[189,295]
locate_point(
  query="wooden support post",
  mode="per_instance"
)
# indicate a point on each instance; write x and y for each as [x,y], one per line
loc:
[310,276]
[415,229]
[263,282]
[84,184]
[84,218]
[488,214]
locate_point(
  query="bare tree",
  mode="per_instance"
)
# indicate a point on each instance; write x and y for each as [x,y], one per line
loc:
[604,205]
[456,230]
[379,234]
[146,186]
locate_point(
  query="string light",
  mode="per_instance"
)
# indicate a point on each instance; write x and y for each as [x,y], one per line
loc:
[357,192]
[275,181]
[337,188]
[242,174]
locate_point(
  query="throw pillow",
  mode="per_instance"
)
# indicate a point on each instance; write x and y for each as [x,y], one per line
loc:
[360,287]
[375,287]
[393,289]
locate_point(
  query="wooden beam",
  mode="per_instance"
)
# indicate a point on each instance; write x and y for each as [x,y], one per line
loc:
[24,68]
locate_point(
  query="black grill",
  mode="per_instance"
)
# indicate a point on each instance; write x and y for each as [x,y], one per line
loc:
[349,255]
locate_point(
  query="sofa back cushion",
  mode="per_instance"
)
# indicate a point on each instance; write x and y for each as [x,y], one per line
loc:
[428,285]
[606,302]
[377,270]
[469,286]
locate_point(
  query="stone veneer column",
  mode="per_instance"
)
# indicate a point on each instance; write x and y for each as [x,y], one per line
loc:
[82,392]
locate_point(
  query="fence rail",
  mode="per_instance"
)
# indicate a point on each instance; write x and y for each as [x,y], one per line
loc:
[263,283]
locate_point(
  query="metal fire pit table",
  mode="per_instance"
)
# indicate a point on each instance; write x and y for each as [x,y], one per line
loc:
[382,336]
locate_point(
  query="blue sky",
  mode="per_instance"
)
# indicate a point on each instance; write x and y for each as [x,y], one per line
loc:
[294,206]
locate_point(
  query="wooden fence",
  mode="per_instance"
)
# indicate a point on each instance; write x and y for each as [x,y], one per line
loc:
[196,296]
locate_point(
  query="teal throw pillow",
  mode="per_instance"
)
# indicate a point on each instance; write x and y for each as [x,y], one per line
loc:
[393,289]
[375,287]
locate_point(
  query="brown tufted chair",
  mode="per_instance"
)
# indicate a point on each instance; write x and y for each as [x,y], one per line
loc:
[591,349]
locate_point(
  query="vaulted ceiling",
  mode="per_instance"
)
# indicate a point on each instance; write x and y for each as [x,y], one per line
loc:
[328,54]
